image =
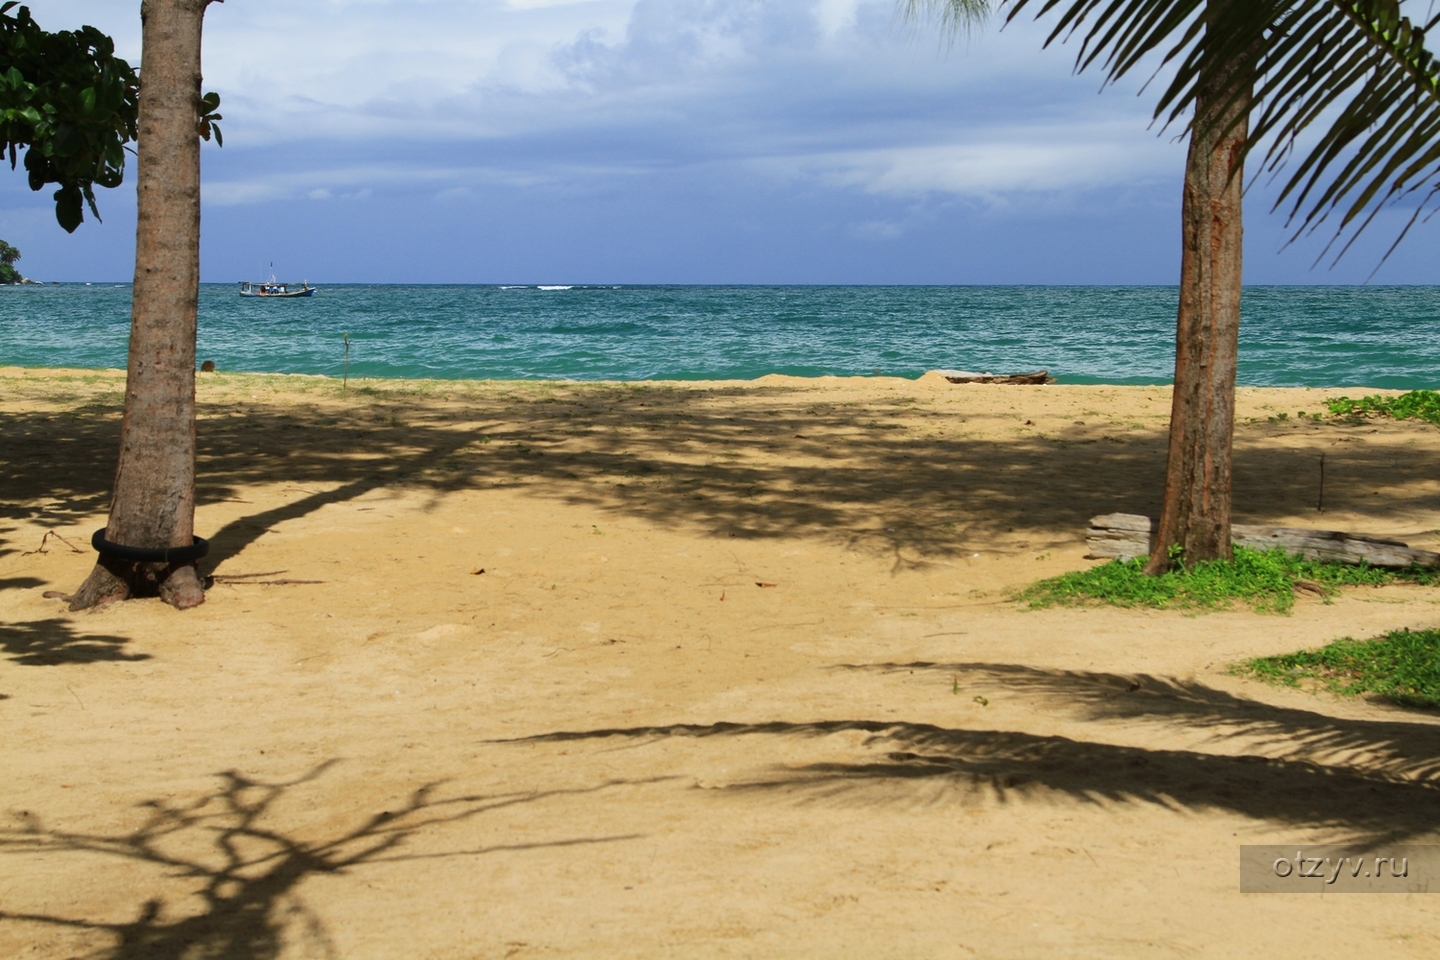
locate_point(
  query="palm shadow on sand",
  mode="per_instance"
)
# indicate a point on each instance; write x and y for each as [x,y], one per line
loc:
[888,474]
[1405,745]
[1359,781]
[245,872]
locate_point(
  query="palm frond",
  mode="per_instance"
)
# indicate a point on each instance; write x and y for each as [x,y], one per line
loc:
[1362,64]
[953,17]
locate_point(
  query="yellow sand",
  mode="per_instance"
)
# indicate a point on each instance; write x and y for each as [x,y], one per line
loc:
[682,670]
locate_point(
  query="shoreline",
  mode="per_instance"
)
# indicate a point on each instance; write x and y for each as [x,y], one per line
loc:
[928,377]
[1089,336]
[779,286]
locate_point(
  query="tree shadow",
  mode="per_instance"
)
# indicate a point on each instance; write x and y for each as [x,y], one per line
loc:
[925,764]
[751,461]
[20,583]
[44,643]
[245,872]
[1406,749]
[46,454]
[234,537]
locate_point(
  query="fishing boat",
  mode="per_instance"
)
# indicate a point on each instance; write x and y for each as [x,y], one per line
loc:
[275,289]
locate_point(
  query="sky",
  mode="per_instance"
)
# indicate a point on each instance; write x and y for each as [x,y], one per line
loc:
[666,141]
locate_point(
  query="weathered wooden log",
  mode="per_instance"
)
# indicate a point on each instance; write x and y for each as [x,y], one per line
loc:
[1127,535]
[966,376]
[1123,536]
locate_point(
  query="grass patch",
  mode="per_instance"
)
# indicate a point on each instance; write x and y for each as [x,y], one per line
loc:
[1266,580]
[1415,405]
[1402,667]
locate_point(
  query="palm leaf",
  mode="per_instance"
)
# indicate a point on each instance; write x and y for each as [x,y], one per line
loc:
[1291,64]
[952,16]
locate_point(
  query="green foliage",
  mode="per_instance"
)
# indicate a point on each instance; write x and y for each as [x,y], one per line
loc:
[209,118]
[8,256]
[1266,580]
[74,106]
[72,103]
[1362,62]
[1415,405]
[1402,667]
[1361,65]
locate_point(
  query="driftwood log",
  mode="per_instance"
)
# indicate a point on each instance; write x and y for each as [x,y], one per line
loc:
[1128,535]
[965,376]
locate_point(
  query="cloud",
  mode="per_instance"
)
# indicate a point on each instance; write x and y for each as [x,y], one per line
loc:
[877,230]
[682,129]
[833,92]
[837,90]
[833,16]
[1038,159]
[356,182]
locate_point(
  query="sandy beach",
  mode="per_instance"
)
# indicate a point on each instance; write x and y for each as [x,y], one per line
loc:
[722,669]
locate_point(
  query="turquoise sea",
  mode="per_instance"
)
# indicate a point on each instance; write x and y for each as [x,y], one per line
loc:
[1291,336]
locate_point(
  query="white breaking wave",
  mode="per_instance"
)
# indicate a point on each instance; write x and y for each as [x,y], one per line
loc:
[571,287]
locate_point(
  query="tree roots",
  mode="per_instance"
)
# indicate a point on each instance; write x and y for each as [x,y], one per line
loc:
[177,584]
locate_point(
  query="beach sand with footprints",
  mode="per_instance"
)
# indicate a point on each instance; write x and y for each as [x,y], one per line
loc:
[496,669]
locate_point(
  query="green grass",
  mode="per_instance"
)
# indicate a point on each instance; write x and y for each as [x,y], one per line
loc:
[1266,580]
[1402,667]
[1415,405]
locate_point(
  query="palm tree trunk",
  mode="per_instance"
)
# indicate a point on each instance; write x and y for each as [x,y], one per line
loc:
[1195,515]
[154,500]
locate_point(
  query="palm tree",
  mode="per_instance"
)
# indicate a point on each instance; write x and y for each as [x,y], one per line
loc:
[8,256]
[1281,64]
[154,501]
